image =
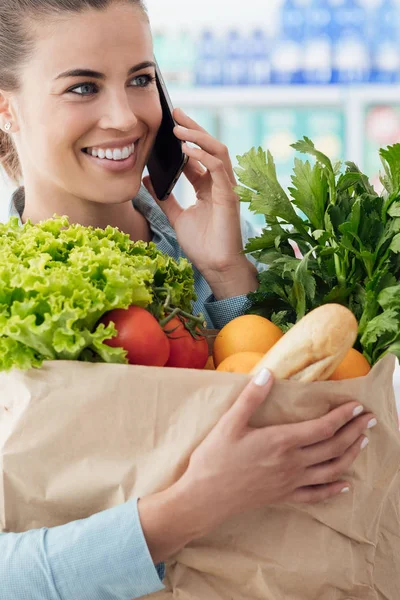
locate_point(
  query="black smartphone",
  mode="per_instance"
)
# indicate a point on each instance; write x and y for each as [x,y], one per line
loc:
[167,160]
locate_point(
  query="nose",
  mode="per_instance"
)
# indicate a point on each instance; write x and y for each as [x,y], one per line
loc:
[118,113]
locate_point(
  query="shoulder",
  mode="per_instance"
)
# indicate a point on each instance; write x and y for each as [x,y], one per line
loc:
[164,235]
[149,208]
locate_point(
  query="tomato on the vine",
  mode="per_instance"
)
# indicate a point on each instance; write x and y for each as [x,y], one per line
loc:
[187,351]
[140,334]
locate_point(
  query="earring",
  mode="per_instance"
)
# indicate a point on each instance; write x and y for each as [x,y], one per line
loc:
[7,126]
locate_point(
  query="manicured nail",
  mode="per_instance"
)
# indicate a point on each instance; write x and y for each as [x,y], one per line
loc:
[364,443]
[182,129]
[262,378]
[372,423]
[345,490]
[358,411]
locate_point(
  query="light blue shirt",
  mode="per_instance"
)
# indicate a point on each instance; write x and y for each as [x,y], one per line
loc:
[104,557]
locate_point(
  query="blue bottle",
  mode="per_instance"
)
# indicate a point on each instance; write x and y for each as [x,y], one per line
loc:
[259,65]
[385,43]
[318,43]
[209,60]
[234,69]
[351,53]
[287,53]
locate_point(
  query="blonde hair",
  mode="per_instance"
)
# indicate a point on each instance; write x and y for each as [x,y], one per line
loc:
[16,45]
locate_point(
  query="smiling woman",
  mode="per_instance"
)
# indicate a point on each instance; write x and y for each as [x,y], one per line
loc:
[79,113]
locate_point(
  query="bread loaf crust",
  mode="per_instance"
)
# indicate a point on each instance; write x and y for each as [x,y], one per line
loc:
[314,347]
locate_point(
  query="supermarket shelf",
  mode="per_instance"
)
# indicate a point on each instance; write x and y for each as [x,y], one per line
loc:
[285,96]
[352,100]
[223,97]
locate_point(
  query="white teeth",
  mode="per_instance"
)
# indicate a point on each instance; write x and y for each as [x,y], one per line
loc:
[115,154]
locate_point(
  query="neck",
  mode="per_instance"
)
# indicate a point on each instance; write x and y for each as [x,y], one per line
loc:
[42,206]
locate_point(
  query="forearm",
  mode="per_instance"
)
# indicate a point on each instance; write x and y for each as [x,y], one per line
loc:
[104,556]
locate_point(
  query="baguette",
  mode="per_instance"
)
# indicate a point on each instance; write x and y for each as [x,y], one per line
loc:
[314,347]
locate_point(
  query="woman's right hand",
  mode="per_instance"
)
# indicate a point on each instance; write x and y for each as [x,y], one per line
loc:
[239,468]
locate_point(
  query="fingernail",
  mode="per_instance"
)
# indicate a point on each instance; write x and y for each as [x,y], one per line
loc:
[358,411]
[372,423]
[345,490]
[262,378]
[182,129]
[364,443]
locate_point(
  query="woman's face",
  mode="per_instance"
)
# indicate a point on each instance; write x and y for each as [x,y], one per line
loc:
[89,91]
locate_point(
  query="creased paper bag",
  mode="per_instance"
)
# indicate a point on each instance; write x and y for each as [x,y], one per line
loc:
[78,438]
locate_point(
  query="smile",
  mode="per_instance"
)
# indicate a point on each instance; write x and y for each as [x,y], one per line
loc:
[111,154]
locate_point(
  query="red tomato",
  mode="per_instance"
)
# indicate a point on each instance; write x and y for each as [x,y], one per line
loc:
[186,351]
[140,334]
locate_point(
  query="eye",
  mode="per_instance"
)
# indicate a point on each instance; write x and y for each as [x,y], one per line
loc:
[84,89]
[143,80]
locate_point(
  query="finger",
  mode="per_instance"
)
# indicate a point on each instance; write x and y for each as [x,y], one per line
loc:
[318,493]
[185,121]
[324,428]
[208,143]
[214,165]
[254,394]
[171,207]
[340,443]
[333,470]
[194,172]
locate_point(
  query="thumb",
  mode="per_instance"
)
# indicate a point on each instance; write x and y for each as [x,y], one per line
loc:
[249,400]
[170,207]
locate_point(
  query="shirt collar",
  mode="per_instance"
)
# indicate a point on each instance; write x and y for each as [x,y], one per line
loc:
[143,202]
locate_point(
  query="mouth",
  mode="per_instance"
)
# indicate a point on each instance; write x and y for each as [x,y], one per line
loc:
[120,159]
[114,154]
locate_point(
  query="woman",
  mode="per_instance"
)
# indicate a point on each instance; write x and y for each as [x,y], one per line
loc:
[79,111]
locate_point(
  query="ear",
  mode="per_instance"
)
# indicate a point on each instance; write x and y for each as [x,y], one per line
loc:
[8,112]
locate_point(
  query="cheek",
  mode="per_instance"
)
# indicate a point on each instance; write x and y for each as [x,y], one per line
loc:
[153,115]
[50,131]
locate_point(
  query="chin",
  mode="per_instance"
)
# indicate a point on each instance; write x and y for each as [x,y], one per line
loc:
[112,194]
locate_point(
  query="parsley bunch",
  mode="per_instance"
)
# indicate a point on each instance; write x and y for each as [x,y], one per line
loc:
[348,235]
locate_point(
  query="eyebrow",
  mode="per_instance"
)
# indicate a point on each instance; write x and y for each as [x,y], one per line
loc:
[97,75]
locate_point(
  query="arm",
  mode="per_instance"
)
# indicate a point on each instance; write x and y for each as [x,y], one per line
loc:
[104,557]
[233,301]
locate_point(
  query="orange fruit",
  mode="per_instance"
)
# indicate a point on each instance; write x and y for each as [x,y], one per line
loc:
[353,365]
[249,333]
[242,362]
[210,364]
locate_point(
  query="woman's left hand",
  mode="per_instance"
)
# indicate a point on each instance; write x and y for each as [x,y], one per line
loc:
[209,231]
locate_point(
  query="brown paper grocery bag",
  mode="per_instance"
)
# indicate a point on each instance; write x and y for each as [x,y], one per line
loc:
[78,438]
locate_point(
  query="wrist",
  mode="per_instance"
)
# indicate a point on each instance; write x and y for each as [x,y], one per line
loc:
[170,520]
[235,280]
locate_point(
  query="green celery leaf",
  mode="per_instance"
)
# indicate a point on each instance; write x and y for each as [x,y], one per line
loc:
[309,191]
[257,172]
[380,332]
[355,178]
[390,297]
[395,245]
[390,157]
[306,146]
[282,320]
